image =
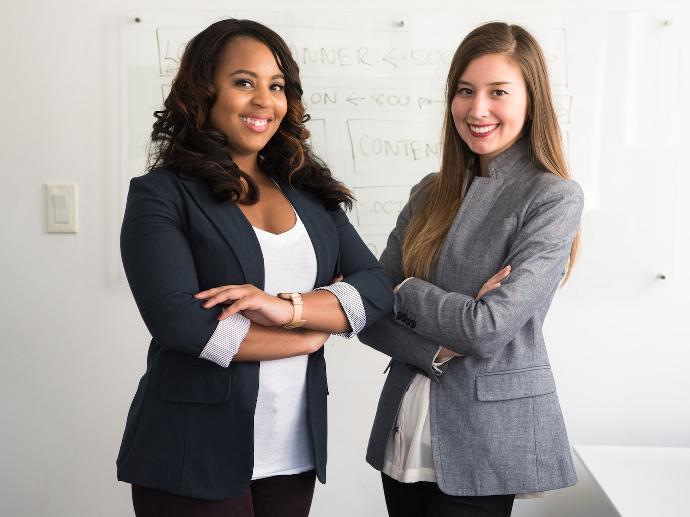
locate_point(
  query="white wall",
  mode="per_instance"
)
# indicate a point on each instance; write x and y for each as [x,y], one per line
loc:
[73,345]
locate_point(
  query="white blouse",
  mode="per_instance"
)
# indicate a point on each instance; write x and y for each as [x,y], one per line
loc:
[282,441]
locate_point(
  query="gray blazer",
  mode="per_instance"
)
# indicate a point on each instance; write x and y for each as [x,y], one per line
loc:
[496,424]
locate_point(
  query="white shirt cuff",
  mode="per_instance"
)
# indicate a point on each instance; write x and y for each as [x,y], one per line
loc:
[351,302]
[439,365]
[226,339]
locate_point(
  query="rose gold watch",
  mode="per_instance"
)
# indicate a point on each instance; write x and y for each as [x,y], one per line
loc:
[296,299]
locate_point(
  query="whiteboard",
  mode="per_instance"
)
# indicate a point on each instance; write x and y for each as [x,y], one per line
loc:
[374,87]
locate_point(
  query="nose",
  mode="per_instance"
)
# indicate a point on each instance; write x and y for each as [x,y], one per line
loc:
[262,96]
[479,107]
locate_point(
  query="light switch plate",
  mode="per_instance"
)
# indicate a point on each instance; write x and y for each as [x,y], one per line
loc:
[61,207]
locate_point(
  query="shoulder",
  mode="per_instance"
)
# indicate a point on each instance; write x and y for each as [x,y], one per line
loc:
[157,192]
[163,182]
[543,186]
[423,183]
[562,199]
[419,191]
[163,178]
[550,185]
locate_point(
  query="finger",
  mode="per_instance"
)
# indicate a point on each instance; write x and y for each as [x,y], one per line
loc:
[337,278]
[232,309]
[500,275]
[230,295]
[486,288]
[210,292]
[225,314]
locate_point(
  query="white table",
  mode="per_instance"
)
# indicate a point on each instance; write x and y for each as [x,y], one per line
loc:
[641,481]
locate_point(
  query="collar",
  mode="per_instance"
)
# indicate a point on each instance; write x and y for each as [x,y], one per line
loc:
[510,160]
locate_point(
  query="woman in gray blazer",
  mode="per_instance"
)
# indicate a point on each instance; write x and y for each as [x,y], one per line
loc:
[469,416]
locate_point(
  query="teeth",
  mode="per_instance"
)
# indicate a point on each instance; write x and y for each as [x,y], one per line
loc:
[260,122]
[483,129]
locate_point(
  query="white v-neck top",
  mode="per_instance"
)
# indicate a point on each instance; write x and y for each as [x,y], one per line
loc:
[282,440]
[282,443]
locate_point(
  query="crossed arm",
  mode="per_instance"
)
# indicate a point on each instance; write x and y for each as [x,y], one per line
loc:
[480,325]
[161,271]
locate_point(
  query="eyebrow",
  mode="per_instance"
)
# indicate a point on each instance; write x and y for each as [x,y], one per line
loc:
[496,83]
[253,74]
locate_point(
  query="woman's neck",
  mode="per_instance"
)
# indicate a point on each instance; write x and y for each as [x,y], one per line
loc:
[249,165]
[484,166]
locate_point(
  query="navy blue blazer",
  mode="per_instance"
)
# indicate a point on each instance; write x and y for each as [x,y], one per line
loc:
[190,427]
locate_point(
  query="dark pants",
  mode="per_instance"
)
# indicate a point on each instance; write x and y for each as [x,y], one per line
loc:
[424,499]
[285,496]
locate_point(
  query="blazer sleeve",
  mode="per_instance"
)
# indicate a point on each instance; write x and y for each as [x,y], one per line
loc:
[388,337]
[538,259]
[361,270]
[160,267]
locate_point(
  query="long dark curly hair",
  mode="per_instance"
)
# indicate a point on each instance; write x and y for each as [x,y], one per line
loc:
[184,140]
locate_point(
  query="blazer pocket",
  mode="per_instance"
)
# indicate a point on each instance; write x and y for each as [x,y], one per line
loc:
[515,384]
[197,386]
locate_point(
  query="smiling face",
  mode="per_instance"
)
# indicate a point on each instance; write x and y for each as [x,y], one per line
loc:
[250,99]
[490,106]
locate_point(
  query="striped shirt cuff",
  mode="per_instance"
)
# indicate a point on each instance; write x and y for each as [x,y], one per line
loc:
[352,305]
[226,340]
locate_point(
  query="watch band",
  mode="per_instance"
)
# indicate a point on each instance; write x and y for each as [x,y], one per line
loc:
[297,302]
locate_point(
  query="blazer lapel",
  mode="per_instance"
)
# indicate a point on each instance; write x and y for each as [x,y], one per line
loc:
[235,229]
[318,225]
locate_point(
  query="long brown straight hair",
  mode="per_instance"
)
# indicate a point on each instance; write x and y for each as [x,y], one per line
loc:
[444,193]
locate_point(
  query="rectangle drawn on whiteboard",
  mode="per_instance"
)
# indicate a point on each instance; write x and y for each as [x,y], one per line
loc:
[394,146]
[317,138]
[380,206]
[340,52]
[562,105]
[165,91]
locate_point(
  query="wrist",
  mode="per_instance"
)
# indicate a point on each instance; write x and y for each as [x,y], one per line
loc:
[297,304]
[287,311]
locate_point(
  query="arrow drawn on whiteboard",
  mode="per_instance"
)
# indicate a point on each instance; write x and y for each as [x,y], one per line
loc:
[352,100]
[390,59]
[427,101]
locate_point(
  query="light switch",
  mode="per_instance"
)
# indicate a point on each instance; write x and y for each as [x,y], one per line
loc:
[61,208]
[60,213]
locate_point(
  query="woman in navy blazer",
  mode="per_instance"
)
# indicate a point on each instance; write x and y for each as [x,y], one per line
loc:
[230,162]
